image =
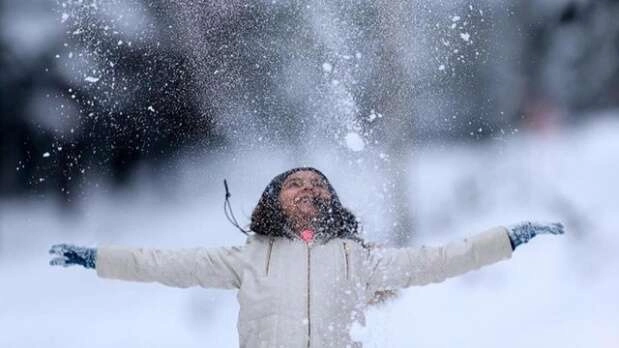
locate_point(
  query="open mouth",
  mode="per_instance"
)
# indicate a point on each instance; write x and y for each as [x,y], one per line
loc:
[315,202]
[304,199]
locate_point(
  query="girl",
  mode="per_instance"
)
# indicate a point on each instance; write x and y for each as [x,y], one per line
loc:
[304,275]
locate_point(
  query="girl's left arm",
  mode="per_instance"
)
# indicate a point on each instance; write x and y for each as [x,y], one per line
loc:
[395,268]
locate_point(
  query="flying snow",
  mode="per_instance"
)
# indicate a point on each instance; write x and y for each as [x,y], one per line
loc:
[354,141]
[91,79]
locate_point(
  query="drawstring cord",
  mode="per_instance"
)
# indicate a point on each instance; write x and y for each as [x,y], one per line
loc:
[228,210]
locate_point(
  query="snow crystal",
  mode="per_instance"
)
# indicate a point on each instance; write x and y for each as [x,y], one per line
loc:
[327,67]
[374,115]
[441,67]
[91,79]
[354,141]
[465,36]
[46,154]
[455,18]
[64,17]
[150,108]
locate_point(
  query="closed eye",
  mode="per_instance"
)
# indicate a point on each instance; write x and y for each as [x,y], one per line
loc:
[319,183]
[293,183]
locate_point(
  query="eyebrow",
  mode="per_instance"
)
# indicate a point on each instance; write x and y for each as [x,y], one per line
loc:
[292,180]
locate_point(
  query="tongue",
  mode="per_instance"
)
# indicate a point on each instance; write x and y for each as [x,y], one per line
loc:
[307,235]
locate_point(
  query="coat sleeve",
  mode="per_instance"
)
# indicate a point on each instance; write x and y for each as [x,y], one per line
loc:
[205,267]
[395,268]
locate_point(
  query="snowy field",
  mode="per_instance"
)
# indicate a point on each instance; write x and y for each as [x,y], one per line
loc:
[555,291]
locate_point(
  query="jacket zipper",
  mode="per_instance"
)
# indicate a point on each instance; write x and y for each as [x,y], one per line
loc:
[309,268]
[347,270]
[268,261]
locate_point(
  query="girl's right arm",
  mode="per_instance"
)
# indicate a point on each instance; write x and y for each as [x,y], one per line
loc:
[205,267]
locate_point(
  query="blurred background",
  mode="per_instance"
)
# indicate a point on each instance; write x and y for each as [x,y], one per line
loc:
[119,121]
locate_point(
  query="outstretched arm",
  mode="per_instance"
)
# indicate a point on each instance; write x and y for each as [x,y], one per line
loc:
[393,268]
[214,267]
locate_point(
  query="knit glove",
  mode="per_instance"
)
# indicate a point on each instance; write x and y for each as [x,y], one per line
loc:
[523,232]
[68,255]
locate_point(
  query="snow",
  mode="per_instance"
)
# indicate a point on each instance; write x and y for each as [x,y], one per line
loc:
[354,141]
[554,292]
[91,79]
[373,116]
[457,190]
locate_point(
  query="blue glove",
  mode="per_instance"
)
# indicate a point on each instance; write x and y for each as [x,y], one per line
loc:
[523,232]
[68,255]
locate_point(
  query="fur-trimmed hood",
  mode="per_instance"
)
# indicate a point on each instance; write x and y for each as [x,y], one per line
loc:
[268,219]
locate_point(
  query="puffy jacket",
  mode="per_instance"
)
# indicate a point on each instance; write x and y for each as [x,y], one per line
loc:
[298,295]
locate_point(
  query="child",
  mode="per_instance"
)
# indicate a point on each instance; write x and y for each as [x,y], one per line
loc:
[304,275]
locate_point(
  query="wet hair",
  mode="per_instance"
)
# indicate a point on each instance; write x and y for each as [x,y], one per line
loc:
[269,220]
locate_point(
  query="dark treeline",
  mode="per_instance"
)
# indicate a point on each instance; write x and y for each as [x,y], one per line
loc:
[96,100]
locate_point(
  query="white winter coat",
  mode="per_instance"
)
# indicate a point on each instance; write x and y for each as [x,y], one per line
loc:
[296,295]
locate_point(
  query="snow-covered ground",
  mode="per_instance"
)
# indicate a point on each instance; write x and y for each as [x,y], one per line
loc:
[554,292]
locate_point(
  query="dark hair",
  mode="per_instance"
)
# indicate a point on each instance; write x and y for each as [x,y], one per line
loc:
[269,220]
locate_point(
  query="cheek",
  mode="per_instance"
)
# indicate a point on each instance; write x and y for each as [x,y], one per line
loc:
[285,199]
[325,194]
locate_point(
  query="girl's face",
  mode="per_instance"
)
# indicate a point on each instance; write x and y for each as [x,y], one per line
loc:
[300,195]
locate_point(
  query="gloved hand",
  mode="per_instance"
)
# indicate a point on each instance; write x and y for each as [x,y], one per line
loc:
[523,232]
[67,255]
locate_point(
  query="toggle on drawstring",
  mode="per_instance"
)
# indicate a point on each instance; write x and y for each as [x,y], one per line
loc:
[228,210]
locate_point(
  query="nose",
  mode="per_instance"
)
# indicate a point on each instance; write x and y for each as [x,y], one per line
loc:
[308,186]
